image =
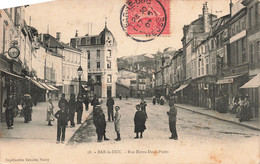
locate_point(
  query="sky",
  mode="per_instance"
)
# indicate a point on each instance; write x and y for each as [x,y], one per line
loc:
[67,16]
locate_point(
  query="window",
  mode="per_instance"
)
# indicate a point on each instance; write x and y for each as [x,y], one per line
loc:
[109,53]
[98,79]
[217,41]
[243,25]
[83,41]
[109,64]
[98,54]
[88,52]
[109,78]
[212,44]
[250,17]
[207,66]
[258,51]
[243,51]
[238,27]
[98,64]
[251,54]
[256,14]
[88,65]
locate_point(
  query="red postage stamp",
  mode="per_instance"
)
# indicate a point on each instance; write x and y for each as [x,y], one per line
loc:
[143,20]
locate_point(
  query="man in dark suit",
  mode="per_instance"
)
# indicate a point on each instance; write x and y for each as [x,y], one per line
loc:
[110,108]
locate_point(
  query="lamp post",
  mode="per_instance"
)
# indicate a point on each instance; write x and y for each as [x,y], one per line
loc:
[80,72]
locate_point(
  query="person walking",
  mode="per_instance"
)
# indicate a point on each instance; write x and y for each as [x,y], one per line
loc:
[63,118]
[27,108]
[139,121]
[110,108]
[172,120]
[50,113]
[100,124]
[79,109]
[10,106]
[154,100]
[72,108]
[117,123]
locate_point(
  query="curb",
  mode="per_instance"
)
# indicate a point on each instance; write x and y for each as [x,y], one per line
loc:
[241,124]
[69,141]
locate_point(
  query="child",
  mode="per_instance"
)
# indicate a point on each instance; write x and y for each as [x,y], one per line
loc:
[172,120]
[139,120]
[117,123]
[62,117]
[100,123]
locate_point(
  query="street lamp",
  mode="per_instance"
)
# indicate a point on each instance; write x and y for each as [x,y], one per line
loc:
[80,72]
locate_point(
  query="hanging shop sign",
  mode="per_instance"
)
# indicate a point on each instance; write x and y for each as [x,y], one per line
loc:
[13,52]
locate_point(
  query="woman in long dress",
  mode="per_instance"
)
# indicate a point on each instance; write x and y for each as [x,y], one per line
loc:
[50,113]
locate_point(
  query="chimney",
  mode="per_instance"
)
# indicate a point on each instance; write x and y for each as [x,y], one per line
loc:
[76,35]
[58,36]
[205,18]
[230,7]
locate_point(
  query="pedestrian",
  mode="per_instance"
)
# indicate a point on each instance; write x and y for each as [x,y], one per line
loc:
[143,105]
[100,124]
[50,113]
[27,108]
[154,100]
[72,108]
[94,101]
[172,120]
[110,108]
[63,102]
[162,100]
[126,97]
[63,118]
[158,100]
[10,106]
[79,109]
[139,121]
[86,102]
[120,96]
[117,123]
[248,113]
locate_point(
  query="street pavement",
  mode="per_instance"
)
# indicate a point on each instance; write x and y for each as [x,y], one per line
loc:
[202,139]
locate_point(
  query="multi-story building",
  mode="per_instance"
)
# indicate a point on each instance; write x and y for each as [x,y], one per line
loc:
[193,34]
[253,51]
[72,58]
[102,61]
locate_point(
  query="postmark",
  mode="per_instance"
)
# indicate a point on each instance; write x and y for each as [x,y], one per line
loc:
[144,20]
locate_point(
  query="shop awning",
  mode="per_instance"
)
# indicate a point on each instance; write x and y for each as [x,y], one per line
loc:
[227,80]
[85,87]
[46,86]
[181,88]
[52,87]
[253,83]
[37,84]
[7,72]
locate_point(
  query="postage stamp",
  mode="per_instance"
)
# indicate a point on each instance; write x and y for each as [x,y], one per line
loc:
[144,20]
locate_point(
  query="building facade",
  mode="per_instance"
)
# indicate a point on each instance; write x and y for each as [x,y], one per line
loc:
[102,61]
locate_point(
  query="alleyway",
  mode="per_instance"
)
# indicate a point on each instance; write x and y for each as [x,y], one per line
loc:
[201,138]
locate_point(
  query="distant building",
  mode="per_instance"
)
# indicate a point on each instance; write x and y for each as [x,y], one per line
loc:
[102,61]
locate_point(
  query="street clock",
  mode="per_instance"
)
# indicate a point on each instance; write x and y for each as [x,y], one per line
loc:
[13,52]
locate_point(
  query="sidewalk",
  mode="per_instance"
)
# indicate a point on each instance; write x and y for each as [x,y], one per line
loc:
[252,124]
[38,129]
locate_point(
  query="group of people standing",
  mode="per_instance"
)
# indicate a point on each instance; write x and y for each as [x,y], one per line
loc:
[66,113]
[24,108]
[242,108]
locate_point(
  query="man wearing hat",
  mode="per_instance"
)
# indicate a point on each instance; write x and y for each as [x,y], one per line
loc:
[117,123]
[172,120]
[100,123]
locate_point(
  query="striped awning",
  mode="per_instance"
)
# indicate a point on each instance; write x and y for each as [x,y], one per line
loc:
[37,84]
[253,83]
[46,86]
[181,88]
[52,87]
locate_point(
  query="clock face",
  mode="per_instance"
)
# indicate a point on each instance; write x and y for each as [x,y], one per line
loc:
[108,41]
[13,52]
